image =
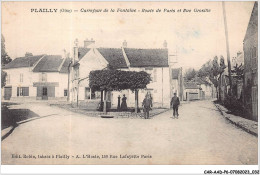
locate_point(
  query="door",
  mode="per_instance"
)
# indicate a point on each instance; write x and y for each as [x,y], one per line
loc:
[45,93]
[7,93]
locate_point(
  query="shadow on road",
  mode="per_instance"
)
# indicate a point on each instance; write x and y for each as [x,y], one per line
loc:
[209,108]
[15,117]
[15,125]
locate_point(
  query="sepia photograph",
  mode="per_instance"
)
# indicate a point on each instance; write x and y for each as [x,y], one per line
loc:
[129,83]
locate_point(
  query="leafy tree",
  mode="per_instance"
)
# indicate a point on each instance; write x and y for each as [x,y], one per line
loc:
[238,71]
[190,74]
[213,70]
[3,78]
[5,59]
[117,80]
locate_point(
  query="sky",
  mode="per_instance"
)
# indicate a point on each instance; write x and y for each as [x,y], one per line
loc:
[195,37]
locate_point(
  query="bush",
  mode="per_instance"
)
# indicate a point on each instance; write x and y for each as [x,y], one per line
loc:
[235,106]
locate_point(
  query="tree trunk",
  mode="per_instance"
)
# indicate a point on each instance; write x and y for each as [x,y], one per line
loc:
[105,102]
[136,101]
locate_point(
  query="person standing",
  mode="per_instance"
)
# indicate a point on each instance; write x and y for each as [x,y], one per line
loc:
[123,104]
[175,102]
[147,104]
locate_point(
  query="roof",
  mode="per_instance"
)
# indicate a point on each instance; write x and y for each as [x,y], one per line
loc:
[23,62]
[147,57]
[49,63]
[65,65]
[114,57]
[82,52]
[175,73]
[190,85]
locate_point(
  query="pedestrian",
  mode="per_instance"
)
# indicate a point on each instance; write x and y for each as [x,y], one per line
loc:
[123,104]
[147,104]
[175,102]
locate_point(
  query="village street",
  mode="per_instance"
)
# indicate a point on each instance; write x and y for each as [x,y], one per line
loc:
[200,136]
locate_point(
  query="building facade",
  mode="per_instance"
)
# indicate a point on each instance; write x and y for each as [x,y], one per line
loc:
[250,48]
[177,85]
[90,57]
[41,77]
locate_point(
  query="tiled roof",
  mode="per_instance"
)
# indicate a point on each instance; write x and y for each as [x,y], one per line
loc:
[190,85]
[64,68]
[147,57]
[23,62]
[175,73]
[114,57]
[49,63]
[82,52]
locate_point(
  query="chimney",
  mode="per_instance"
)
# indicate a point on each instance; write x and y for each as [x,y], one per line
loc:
[65,53]
[165,44]
[124,43]
[76,51]
[28,54]
[88,42]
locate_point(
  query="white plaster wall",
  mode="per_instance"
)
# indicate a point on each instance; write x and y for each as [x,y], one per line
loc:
[93,60]
[30,77]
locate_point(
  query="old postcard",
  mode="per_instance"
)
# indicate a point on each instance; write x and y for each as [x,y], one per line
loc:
[129,83]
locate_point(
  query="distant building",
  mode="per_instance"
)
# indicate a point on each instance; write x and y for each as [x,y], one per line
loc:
[251,62]
[41,77]
[177,85]
[152,61]
[191,91]
[206,88]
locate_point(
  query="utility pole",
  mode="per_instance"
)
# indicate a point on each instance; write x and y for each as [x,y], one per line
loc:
[227,46]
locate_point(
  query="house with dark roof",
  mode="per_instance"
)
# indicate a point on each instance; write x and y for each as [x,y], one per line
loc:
[41,77]
[90,57]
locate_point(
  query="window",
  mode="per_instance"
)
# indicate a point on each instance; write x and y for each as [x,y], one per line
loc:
[8,78]
[43,77]
[21,78]
[65,92]
[22,91]
[149,70]
[155,75]
[87,93]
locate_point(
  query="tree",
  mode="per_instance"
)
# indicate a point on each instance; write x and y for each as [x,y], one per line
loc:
[190,74]
[117,80]
[3,78]
[213,70]
[5,59]
[238,71]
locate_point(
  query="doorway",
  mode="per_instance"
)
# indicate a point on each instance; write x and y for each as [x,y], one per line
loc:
[7,93]
[45,93]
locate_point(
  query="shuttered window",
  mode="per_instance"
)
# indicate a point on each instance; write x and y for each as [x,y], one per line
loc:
[22,91]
